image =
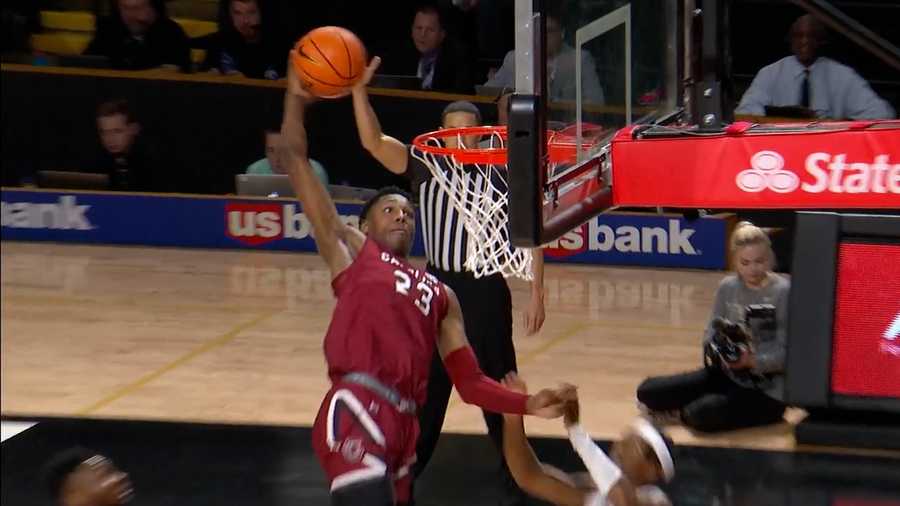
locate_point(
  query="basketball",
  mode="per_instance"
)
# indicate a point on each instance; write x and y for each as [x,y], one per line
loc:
[329,60]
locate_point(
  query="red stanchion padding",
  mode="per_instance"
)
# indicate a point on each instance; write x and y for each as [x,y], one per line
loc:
[837,165]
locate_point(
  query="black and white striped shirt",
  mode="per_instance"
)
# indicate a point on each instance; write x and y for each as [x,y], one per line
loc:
[442,227]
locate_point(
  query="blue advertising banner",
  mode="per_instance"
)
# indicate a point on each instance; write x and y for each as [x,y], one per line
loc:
[645,239]
[270,224]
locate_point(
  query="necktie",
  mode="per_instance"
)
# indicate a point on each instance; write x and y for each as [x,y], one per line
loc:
[804,90]
[427,68]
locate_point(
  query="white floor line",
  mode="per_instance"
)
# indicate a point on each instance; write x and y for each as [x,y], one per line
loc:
[11,429]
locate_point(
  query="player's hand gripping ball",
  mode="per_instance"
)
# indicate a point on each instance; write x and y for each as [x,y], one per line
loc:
[329,60]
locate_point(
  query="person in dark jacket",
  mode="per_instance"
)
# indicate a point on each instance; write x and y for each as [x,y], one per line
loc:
[246,43]
[139,35]
[126,155]
[439,59]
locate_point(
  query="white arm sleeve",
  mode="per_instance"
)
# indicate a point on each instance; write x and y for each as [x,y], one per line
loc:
[594,499]
[603,471]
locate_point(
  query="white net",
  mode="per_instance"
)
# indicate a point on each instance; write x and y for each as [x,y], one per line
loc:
[480,194]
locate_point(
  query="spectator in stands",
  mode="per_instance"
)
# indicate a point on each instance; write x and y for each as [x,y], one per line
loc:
[560,69]
[733,390]
[503,106]
[273,163]
[126,155]
[440,60]
[245,44]
[20,18]
[487,24]
[138,35]
[810,81]
[79,477]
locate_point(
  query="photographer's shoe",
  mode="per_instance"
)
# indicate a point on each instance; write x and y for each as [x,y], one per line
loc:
[660,417]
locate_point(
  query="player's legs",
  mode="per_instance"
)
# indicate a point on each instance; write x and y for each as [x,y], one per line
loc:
[431,416]
[737,409]
[486,304]
[667,393]
[375,492]
[363,444]
[497,357]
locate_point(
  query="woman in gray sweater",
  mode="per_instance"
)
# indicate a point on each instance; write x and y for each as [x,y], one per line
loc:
[747,391]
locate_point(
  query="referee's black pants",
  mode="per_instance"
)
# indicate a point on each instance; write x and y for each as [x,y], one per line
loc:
[487,313]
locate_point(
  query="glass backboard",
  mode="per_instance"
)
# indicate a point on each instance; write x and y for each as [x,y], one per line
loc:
[583,70]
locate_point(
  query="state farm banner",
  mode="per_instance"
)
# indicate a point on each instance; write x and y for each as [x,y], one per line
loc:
[279,224]
[852,165]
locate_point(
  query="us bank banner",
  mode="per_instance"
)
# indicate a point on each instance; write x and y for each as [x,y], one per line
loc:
[279,224]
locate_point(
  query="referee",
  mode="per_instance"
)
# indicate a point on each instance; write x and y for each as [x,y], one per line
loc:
[486,303]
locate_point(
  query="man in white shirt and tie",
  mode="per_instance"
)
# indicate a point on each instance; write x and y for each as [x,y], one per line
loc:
[805,79]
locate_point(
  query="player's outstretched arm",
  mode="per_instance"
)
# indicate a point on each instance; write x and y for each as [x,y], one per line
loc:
[337,242]
[390,152]
[535,478]
[476,388]
[611,484]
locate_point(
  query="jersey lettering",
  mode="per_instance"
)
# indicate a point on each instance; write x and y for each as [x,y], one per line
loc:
[403,282]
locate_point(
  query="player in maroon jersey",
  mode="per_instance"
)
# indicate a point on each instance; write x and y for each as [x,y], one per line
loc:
[388,319]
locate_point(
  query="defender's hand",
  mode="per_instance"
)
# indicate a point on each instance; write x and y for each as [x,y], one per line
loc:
[549,403]
[367,74]
[571,413]
[294,85]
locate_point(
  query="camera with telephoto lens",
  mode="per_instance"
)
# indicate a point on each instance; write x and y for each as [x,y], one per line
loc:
[729,341]
[760,321]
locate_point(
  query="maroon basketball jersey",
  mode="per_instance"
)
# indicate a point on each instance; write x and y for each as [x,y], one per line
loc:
[386,321]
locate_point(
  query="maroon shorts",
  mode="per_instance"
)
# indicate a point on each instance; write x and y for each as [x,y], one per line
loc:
[359,436]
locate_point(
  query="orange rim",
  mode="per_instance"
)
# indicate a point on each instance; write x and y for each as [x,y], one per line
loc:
[561,145]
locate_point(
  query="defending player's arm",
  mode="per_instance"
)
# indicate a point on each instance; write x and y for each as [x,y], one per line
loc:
[611,484]
[337,242]
[535,478]
[390,152]
[476,388]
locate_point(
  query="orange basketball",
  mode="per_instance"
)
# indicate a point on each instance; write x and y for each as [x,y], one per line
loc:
[329,60]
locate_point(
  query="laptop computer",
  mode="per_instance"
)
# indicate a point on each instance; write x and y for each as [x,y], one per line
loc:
[59,60]
[279,186]
[263,185]
[67,180]
[493,92]
[400,82]
[789,111]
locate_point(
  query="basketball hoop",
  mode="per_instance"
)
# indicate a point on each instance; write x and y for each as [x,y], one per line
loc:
[483,200]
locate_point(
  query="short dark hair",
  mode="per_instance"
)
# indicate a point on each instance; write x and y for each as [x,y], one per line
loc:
[114,107]
[818,27]
[431,9]
[61,465]
[268,131]
[461,106]
[387,190]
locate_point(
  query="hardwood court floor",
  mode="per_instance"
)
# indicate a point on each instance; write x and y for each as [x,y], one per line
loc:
[236,337]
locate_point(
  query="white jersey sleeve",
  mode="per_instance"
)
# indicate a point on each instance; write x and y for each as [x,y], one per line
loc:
[603,471]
